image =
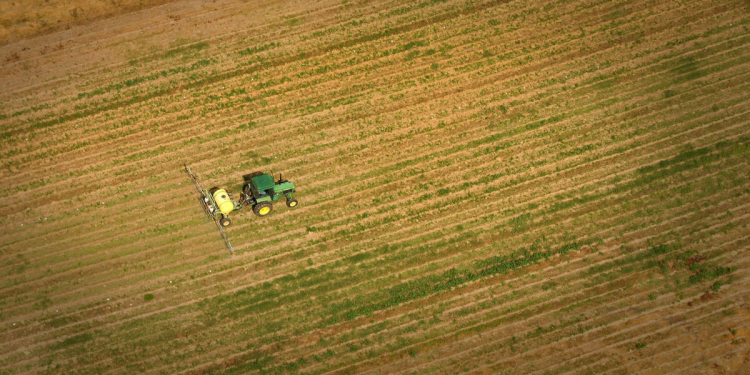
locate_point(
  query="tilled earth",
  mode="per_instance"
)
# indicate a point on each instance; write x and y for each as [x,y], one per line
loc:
[485,187]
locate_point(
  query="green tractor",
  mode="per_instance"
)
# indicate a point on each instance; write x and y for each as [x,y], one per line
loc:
[259,192]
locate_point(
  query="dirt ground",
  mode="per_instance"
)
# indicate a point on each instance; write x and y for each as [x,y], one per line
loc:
[485,187]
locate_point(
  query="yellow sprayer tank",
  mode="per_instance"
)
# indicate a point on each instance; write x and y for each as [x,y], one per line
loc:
[221,197]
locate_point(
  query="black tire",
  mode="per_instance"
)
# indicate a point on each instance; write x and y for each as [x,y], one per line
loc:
[260,208]
[212,190]
[291,202]
[225,222]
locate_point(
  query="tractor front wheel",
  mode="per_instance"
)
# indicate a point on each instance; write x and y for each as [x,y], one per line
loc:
[225,222]
[263,208]
[291,202]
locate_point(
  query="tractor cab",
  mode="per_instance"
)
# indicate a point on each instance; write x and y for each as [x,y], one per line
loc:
[261,185]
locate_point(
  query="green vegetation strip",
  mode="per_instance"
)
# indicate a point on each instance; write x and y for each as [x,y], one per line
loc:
[413,289]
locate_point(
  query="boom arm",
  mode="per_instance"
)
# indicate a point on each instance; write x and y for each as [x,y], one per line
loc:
[203,200]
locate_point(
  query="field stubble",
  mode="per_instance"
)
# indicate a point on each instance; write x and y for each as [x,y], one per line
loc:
[465,208]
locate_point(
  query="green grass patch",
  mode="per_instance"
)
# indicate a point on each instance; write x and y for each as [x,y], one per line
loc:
[74,340]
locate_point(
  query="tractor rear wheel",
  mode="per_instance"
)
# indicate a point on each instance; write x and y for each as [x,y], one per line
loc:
[291,202]
[263,208]
[225,222]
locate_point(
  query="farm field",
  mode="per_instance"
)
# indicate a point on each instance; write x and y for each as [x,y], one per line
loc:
[485,187]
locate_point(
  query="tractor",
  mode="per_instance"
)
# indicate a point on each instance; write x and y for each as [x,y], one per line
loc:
[259,192]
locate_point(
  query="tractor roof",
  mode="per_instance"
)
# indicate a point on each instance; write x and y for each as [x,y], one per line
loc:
[263,182]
